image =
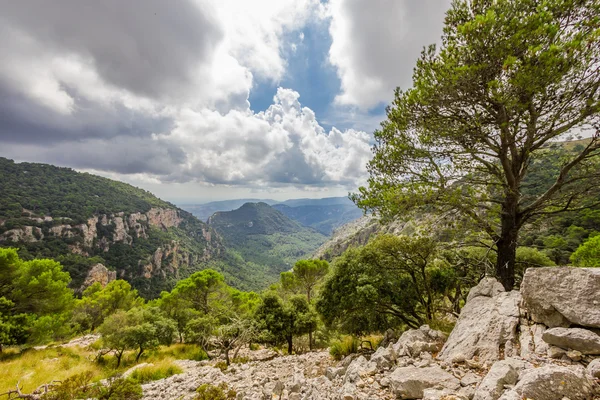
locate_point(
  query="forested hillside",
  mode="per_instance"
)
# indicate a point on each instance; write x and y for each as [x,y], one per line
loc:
[262,236]
[82,220]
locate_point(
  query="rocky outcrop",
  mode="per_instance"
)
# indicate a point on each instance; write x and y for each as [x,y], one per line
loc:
[411,382]
[487,326]
[163,217]
[582,340]
[415,341]
[503,373]
[553,382]
[28,234]
[98,273]
[572,300]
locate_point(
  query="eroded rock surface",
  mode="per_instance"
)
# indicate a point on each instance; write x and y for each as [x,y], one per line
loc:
[487,326]
[582,340]
[562,296]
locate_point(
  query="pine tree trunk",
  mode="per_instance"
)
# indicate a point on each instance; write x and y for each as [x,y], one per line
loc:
[290,345]
[507,244]
[310,340]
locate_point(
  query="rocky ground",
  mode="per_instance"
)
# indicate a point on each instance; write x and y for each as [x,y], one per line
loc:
[541,343]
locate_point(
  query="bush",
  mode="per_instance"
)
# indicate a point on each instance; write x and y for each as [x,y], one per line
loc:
[211,392]
[78,386]
[120,389]
[155,372]
[588,254]
[341,348]
[222,365]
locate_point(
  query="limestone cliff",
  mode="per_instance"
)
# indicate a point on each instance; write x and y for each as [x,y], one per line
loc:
[156,245]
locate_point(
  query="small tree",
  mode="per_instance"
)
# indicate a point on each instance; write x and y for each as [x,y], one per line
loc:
[282,321]
[511,78]
[389,282]
[588,254]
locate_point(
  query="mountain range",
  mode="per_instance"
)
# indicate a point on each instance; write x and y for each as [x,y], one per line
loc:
[103,229]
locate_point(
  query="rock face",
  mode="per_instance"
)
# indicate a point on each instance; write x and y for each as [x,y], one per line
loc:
[552,382]
[504,372]
[582,340]
[487,326]
[415,341]
[572,300]
[410,382]
[98,273]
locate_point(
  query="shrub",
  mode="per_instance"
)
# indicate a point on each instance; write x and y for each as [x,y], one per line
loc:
[222,365]
[120,389]
[341,348]
[212,392]
[155,372]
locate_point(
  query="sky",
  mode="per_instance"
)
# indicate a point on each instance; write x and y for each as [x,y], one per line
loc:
[201,100]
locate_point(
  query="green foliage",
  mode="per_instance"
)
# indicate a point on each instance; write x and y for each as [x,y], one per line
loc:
[139,328]
[343,347]
[74,387]
[154,373]
[62,192]
[212,392]
[79,386]
[510,78]
[120,389]
[588,254]
[263,241]
[97,303]
[29,290]
[390,282]
[280,321]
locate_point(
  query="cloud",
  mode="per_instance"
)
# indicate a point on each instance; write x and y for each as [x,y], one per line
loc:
[375,45]
[160,92]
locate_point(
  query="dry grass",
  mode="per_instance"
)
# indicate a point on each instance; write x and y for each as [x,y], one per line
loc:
[33,368]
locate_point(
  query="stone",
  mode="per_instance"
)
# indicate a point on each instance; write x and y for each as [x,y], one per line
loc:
[415,341]
[553,382]
[593,368]
[442,394]
[383,357]
[556,352]
[562,296]
[531,341]
[98,273]
[583,340]
[332,372]
[574,355]
[355,369]
[410,382]
[502,373]
[485,326]
[470,379]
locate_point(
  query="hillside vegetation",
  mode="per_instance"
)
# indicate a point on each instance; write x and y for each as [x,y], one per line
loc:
[261,235]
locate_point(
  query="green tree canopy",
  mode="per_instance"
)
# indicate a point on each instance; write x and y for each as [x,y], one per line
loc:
[29,290]
[392,281]
[588,254]
[97,302]
[510,78]
[281,321]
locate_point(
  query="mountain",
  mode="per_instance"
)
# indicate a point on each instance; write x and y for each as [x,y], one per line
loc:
[324,215]
[327,201]
[265,238]
[205,210]
[84,220]
[323,218]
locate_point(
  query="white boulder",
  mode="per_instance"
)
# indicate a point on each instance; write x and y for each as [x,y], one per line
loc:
[562,296]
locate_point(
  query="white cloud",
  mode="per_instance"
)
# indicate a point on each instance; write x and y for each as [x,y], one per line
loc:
[98,88]
[375,45]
